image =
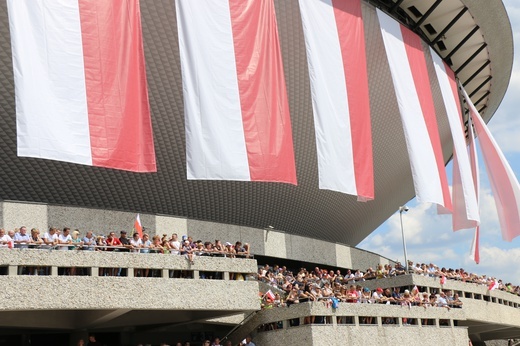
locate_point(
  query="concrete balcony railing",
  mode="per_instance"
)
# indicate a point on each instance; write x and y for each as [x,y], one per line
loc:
[465,289]
[64,301]
[356,324]
[485,315]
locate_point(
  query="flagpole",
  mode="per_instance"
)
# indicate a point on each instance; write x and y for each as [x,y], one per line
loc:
[405,209]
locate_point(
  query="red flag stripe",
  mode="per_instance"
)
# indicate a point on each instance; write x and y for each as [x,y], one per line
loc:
[417,60]
[117,97]
[349,22]
[263,95]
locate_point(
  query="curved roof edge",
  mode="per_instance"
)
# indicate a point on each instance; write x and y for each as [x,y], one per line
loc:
[494,22]
[473,37]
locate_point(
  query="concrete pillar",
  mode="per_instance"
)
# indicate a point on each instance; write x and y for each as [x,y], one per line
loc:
[54,271]
[129,272]
[165,274]
[196,274]
[94,271]
[12,270]
[226,276]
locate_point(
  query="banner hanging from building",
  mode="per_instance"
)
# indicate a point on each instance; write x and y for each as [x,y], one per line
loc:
[465,205]
[503,181]
[412,87]
[235,101]
[335,42]
[80,83]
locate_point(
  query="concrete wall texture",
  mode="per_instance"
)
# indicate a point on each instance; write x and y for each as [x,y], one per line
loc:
[273,243]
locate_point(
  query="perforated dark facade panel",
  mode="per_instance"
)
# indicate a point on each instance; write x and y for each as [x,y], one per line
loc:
[303,209]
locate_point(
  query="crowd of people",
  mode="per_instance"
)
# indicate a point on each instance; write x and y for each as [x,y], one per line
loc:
[248,341]
[460,274]
[67,240]
[332,287]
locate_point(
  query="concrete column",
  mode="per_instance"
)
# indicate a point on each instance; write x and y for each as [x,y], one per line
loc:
[196,274]
[12,270]
[129,272]
[94,271]
[165,274]
[54,271]
[226,276]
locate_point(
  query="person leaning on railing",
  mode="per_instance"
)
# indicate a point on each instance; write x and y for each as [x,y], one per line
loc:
[5,240]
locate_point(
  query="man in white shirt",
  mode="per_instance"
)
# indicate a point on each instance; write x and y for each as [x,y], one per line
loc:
[50,238]
[5,240]
[64,238]
[136,243]
[175,244]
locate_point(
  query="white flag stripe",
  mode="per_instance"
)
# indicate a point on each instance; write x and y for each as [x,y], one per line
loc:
[53,100]
[473,158]
[329,101]
[422,158]
[459,141]
[211,89]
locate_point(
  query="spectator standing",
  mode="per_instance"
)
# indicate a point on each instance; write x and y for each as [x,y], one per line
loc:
[136,243]
[22,239]
[50,238]
[146,243]
[64,238]
[92,341]
[76,240]
[89,241]
[125,242]
[5,240]
[35,237]
[175,244]
[249,341]
[113,241]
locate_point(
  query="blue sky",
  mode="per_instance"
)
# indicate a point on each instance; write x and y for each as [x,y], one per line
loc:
[429,237]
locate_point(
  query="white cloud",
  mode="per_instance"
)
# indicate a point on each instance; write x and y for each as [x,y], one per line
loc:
[505,123]
[500,263]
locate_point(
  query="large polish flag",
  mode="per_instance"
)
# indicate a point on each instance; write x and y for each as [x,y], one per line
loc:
[335,42]
[473,158]
[235,101]
[80,83]
[504,183]
[412,87]
[465,204]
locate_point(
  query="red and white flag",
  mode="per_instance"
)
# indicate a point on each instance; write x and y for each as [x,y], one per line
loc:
[475,246]
[465,204]
[503,181]
[493,285]
[335,41]
[270,295]
[412,87]
[138,227]
[80,83]
[235,101]
[443,280]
